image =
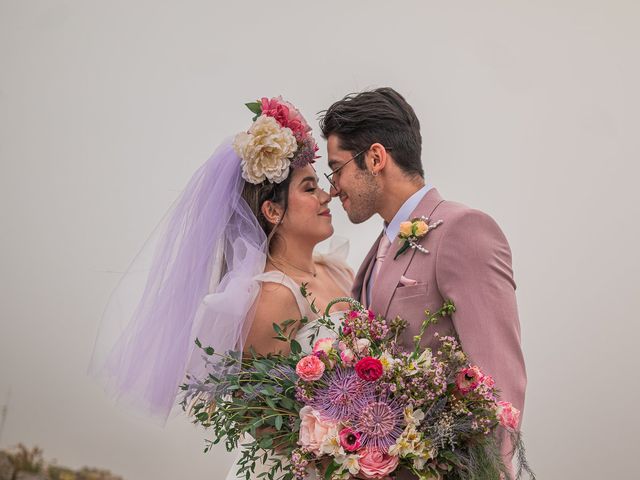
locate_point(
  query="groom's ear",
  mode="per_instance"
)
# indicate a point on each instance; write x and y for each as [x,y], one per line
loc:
[272,212]
[377,159]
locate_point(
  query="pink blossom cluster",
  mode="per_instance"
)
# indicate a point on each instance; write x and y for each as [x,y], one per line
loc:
[365,324]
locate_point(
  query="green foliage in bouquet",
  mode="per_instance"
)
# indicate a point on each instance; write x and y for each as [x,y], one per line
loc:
[437,415]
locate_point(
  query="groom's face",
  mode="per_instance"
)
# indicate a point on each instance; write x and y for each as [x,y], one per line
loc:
[355,187]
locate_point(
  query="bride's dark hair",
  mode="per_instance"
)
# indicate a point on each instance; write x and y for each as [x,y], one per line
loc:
[256,195]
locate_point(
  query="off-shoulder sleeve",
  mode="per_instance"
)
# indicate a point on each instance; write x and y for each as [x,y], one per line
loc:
[335,260]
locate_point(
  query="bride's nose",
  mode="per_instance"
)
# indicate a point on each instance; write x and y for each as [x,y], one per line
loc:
[325,197]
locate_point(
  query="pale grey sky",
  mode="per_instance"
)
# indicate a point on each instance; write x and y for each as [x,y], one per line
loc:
[529,111]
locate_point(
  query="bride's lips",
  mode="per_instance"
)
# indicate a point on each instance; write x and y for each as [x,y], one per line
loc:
[325,213]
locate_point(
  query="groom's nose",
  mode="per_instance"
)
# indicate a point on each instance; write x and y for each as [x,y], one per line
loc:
[333,191]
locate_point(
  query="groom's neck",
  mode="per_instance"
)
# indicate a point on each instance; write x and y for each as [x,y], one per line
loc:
[395,195]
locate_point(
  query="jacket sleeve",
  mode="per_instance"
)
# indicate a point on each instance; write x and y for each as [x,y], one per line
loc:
[473,269]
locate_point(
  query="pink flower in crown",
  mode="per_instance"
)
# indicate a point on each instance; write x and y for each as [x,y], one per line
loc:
[286,115]
[508,415]
[468,379]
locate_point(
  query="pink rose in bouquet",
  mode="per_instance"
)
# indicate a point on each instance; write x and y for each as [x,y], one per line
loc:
[324,344]
[508,415]
[313,429]
[375,464]
[347,356]
[369,369]
[310,368]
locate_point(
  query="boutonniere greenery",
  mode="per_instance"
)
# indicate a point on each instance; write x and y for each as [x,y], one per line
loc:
[412,231]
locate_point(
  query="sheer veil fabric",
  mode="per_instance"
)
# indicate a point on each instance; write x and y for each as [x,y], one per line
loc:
[197,276]
[194,278]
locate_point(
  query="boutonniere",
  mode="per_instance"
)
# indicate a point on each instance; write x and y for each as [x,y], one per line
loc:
[412,231]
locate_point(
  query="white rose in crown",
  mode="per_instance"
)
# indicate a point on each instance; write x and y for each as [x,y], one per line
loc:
[266,151]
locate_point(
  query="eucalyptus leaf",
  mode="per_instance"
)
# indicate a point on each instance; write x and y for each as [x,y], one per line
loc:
[295,347]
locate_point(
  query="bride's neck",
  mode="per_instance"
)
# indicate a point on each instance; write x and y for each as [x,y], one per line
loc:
[298,255]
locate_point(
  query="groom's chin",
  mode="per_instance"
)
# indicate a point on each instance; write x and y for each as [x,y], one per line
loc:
[357,219]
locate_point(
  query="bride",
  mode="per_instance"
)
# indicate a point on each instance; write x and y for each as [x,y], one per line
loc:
[228,261]
[295,217]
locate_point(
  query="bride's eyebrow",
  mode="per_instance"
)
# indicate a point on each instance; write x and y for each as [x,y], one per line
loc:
[309,179]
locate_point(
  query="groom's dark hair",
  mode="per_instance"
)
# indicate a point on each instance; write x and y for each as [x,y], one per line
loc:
[378,116]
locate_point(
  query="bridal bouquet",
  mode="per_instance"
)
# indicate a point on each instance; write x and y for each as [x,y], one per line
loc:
[358,405]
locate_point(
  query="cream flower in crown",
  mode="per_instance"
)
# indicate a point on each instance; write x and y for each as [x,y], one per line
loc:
[266,151]
[278,140]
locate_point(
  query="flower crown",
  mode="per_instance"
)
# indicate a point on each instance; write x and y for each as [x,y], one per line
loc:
[278,139]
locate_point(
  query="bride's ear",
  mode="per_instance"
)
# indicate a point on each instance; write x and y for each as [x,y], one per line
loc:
[272,212]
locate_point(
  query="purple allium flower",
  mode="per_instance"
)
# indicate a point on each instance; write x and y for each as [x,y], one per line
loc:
[379,419]
[336,400]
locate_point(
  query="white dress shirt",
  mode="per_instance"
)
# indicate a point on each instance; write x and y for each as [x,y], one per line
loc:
[392,229]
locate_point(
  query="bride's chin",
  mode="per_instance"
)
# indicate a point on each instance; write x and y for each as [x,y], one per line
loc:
[327,232]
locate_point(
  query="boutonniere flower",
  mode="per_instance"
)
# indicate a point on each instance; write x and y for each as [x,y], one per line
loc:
[413,230]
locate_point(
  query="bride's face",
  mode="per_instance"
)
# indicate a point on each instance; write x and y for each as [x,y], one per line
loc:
[307,216]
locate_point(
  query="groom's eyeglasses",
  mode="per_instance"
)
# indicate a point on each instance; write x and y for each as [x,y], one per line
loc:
[331,177]
[336,173]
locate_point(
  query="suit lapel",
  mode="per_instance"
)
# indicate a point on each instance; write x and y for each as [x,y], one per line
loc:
[388,278]
[392,270]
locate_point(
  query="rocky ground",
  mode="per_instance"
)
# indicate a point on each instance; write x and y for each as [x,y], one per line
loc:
[21,463]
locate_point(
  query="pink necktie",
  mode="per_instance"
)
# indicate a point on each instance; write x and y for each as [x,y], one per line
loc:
[383,249]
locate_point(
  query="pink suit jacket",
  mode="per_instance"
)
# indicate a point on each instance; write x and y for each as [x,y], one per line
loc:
[469,262]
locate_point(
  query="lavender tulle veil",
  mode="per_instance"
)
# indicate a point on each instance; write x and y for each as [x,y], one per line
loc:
[193,278]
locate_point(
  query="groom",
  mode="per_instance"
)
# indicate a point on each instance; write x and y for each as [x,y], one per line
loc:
[374,152]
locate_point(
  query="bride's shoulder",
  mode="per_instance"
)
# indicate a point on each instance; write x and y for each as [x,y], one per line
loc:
[276,302]
[275,297]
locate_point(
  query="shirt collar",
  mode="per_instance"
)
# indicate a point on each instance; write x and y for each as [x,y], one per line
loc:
[402,215]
